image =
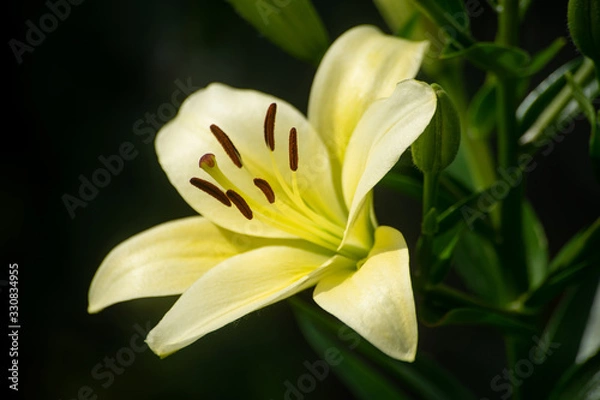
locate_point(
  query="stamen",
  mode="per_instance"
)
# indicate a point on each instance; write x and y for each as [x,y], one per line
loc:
[293,149]
[270,126]
[266,189]
[240,203]
[207,161]
[227,145]
[211,189]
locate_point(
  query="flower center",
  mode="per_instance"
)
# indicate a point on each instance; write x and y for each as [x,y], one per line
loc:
[278,203]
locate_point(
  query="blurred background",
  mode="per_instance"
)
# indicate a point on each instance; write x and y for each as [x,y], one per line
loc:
[78,95]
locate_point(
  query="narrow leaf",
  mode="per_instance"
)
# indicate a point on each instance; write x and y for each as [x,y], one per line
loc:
[536,247]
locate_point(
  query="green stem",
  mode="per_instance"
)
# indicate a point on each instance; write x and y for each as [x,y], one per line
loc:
[512,250]
[425,247]
[430,183]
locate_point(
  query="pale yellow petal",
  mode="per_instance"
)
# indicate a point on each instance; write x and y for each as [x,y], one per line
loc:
[377,300]
[164,260]
[384,132]
[361,66]
[233,289]
[241,115]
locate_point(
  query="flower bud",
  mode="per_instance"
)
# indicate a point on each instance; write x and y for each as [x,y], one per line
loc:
[402,17]
[437,146]
[293,25]
[584,25]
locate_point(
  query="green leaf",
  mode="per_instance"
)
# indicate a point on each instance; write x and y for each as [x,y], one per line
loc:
[361,378]
[559,280]
[443,250]
[590,340]
[585,104]
[540,97]
[554,120]
[479,266]
[580,382]
[541,59]
[471,210]
[502,60]
[477,317]
[577,261]
[536,247]
[449,15]
[293,25]
[369,368]
[560,340]
[401,17]
[481,115]
[584,245]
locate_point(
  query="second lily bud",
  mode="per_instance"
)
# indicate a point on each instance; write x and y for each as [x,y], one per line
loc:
[436,148]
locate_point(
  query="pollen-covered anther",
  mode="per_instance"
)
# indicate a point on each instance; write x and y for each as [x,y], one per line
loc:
[266,189]
[293,149]
[240,203]
[207,161]
[270,126]
[227,145]
[212,190]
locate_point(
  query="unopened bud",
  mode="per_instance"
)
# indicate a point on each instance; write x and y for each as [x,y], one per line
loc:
[437,146]
[293,25]
[584,25]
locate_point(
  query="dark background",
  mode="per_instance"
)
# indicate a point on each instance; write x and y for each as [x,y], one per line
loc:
[77,97]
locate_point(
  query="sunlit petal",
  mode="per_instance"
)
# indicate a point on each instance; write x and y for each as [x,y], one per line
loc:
[164,260]
[361,66]
[377,300]
[234,288]
[384,132]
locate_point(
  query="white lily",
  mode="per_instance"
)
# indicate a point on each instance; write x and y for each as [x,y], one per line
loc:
[286,202]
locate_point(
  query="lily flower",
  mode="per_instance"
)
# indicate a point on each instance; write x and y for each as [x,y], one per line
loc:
[285,202]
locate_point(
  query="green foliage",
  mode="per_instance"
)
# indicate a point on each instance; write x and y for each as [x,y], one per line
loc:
[580,382]
[369,373]
[479,266]
[457,240]
[293,25]
[536,246]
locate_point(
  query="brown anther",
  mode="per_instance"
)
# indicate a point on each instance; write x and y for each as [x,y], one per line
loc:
[293,149]
[211,189]
[266,189]
[207,160]
[240,203]
[270,126]
[227,145]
